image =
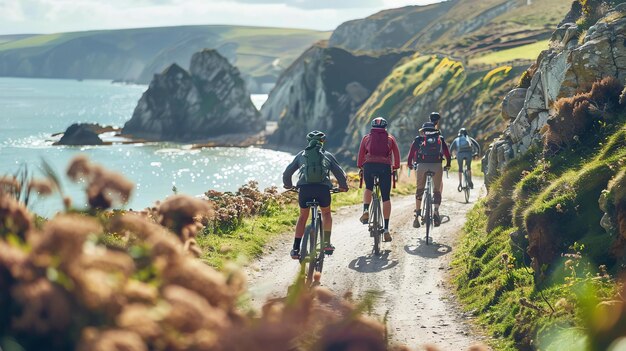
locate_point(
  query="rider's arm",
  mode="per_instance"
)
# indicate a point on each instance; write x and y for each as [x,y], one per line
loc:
[395,153]
[361,158]
[476,144]
[454,145]
[337,171]
[290,170]
[446,152]
[412,155]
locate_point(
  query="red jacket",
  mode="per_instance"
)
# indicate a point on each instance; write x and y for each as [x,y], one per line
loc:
[413,153]
[392,159]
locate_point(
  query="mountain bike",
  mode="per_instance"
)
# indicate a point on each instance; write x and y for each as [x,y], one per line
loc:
[376,221]
[312,247]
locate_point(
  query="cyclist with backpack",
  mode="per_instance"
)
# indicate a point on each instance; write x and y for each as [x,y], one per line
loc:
[314,164]
[427,151]
[465,148]
[378,155]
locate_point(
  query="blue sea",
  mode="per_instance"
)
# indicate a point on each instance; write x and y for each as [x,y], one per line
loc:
[32,110]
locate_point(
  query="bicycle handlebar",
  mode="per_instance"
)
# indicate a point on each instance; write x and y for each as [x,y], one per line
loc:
[332,190]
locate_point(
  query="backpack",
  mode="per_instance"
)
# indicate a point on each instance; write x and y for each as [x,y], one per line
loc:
[430,147]
[379,144]
[465,145]
[315,167]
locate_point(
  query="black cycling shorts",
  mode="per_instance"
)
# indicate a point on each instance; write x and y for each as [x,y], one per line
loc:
[319,192]
[383,171]
[464,155]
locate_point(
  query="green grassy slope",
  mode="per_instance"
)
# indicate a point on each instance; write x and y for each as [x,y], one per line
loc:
[461,28]
[138,53]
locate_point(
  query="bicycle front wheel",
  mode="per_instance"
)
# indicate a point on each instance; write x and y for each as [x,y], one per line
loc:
[466,187]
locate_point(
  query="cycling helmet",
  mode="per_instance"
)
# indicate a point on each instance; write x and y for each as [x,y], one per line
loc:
[316,135]
[379,122]
[428,127]
[434,117]
[463,132]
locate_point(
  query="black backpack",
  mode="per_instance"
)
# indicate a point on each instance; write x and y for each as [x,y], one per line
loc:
[430,147]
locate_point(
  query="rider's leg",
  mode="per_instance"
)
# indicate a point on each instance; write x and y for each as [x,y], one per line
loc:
[300,225]
[385,194]
[438,184]
[419,192]
[459,160]
[368,177]
[367,199]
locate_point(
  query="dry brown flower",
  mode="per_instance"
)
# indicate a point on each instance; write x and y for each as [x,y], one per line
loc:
[79,167]
[140,319]
[43,307]
[63,237]
[181,213]
[14,217]
[9,185]
[108,340]
[43,187]
[191,247]
[190,312]
[196,276]
[139,292]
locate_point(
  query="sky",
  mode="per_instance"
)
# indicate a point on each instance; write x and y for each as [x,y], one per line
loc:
[54,16]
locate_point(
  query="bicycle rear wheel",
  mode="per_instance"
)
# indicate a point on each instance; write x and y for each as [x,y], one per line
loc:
[319,262]
[311,257]
[466,187]
[428,215]
[375,225]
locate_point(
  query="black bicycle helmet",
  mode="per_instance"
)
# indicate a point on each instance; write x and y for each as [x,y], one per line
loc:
[316,135]
[428,127]
[379,122]
[434,117]
[463,132]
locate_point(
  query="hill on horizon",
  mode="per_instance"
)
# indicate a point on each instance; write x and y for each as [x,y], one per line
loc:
[260,53]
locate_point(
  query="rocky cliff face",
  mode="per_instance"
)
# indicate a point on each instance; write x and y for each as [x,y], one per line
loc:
[569,67]
[322,90]
[387,29]
[210,100]
[425,83]
[556,174]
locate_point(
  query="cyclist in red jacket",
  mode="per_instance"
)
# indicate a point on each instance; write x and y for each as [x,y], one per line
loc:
[427,151]
[378,155]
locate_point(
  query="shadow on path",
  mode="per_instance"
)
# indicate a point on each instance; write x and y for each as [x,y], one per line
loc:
[372,263]
[434,250]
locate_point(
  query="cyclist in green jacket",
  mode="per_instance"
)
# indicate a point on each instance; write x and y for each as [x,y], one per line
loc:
[314,186]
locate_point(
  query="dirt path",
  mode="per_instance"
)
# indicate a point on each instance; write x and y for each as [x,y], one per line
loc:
[411,275]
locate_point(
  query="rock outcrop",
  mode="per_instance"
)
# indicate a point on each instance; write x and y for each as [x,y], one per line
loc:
[81,134]
[564,70]
[322,90]
[208,101]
